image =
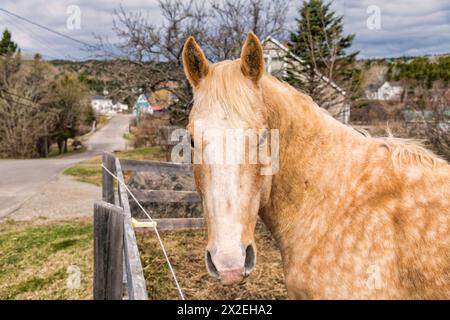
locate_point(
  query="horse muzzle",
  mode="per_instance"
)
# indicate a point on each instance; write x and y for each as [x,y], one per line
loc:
[228,270]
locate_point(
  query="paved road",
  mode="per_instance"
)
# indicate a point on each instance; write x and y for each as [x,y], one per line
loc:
[21,179]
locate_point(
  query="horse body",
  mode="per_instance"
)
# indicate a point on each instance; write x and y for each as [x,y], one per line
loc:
[352,219]
[354,216]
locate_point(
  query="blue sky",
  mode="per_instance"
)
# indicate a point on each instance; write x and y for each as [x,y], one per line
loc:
[406,27]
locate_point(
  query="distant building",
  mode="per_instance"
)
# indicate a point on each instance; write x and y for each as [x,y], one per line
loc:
[275,54]
[142,106]
[101,104]
[104,105]
[159,109]
[424,115]
[120,107]
[387,91]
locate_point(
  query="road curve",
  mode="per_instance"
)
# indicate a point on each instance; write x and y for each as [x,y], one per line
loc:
[21,179]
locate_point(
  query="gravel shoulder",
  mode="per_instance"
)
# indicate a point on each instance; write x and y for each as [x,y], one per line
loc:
[62,198]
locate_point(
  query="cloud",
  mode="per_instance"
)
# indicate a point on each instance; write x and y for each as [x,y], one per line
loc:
[408,27]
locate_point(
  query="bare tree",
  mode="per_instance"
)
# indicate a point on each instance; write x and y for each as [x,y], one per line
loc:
[23,114]
[430,119]
[234,18]
[148,57]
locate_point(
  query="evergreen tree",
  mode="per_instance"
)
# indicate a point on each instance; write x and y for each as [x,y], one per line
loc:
[7,46]
[320,43]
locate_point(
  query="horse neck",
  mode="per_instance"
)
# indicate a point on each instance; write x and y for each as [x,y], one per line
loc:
[301,123]
[313,149]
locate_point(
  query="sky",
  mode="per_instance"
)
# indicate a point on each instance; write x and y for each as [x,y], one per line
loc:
[383,28]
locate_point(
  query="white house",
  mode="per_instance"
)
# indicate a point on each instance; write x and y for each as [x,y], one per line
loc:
[120,107]
[101,104]
[388,91]
[275,54]
[104,105]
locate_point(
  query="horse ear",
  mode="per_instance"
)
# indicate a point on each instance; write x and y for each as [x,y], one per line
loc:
[252,58]
[196,66]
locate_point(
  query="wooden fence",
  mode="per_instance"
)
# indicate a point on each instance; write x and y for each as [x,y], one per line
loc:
[117,263]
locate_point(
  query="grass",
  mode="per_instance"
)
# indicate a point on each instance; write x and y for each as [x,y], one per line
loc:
[54,151]
[90,171]
[128,136]
[102,120]
[187,254]
[36,259]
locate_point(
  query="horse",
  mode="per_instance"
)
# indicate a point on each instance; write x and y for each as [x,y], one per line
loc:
[354,216]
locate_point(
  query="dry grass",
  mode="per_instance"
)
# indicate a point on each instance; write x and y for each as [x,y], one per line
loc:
[35,257]
[186,252]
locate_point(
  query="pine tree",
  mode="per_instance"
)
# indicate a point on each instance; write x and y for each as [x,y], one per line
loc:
[7,46]
[321,45]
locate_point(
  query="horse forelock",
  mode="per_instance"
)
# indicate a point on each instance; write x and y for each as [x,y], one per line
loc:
[226,88]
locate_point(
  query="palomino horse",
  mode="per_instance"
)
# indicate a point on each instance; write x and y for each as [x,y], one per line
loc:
[353,216]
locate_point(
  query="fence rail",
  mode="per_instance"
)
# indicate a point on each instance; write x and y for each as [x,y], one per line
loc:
[117,263]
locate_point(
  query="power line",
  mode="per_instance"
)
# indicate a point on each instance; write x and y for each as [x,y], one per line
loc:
[92,47]
[47,28]
[41,41]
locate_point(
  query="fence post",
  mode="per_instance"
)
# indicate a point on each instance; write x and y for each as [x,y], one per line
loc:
[108,251]
[109,162]
[137,288]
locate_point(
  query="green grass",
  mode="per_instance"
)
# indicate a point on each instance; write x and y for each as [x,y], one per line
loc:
[35,259]
[54,151]
[90,171]
[102,121]
[127,136]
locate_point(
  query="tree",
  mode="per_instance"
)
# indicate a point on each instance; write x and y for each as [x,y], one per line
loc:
[322,47]
[7,46]
[23,113]
[69,100]
[421,71]
[151,55]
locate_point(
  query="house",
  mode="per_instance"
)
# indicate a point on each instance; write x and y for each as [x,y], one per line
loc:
[120,107]
[142,106]
[101,104]
[159,109]
[104,105]
[275,54]
[411,115]
[387,91]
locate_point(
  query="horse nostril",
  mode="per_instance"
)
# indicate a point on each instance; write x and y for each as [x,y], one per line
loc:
[250,259]
[210,265]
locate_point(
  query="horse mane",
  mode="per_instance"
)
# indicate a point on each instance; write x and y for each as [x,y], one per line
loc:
[405,151]
[410,152]
[402,151]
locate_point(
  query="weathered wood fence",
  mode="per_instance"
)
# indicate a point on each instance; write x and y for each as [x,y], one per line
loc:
[117,263]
